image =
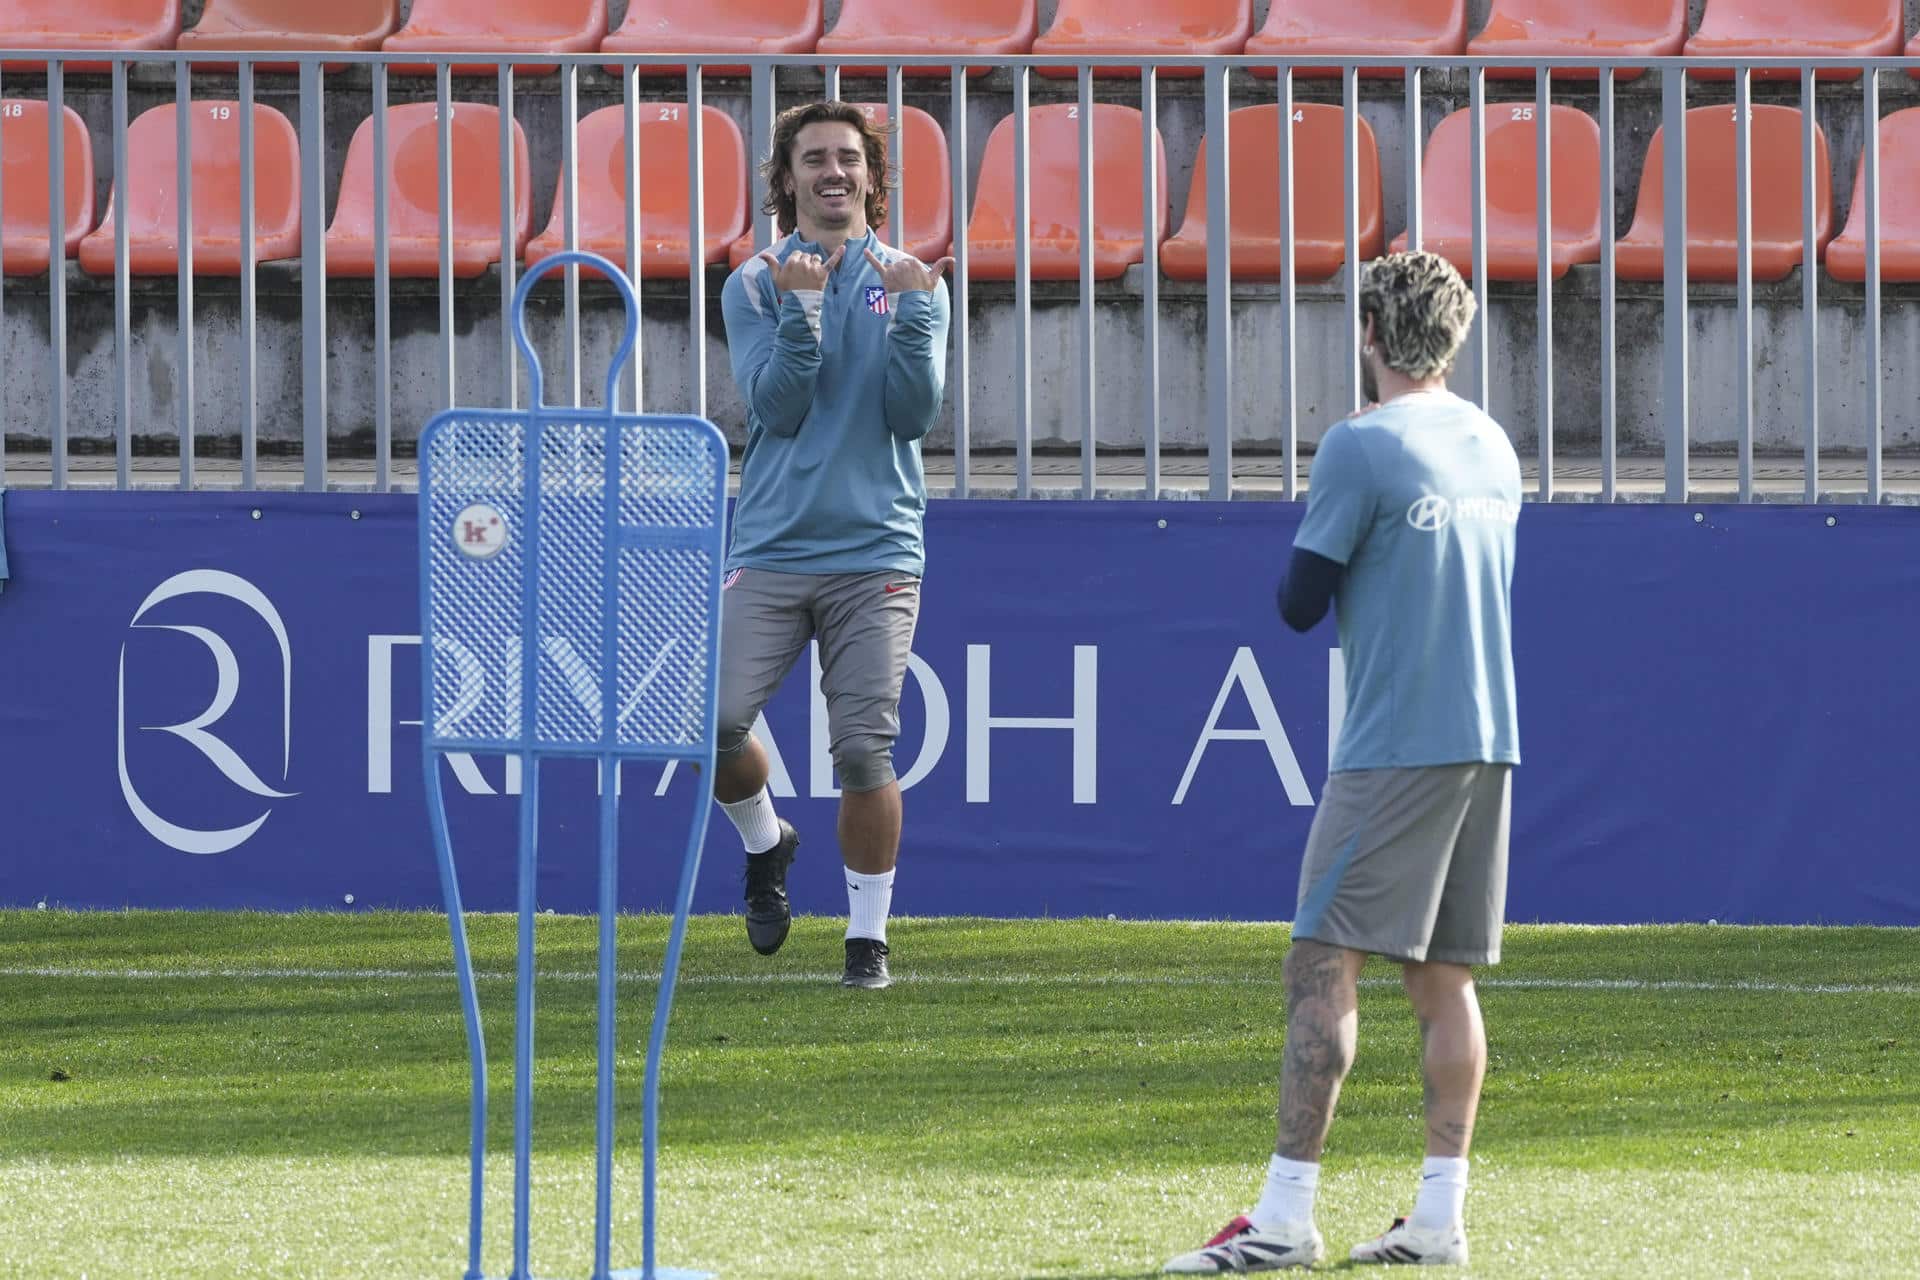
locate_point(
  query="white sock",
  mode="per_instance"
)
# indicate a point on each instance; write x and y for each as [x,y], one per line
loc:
[754,819]
[869,898]
[1288,1196]
[1443,1193]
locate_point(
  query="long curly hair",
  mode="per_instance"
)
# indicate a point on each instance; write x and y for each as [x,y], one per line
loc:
[778,166]
[1422,311]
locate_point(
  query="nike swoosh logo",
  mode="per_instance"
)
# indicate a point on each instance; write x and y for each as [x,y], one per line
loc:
[893,587]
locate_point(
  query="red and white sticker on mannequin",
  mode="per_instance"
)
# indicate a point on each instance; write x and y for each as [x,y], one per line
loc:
[480,532]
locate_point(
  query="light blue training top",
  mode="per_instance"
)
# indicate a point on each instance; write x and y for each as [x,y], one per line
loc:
[840,385]
[1419,499]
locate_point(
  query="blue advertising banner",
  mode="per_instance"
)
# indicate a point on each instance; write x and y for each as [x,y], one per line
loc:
[213,701]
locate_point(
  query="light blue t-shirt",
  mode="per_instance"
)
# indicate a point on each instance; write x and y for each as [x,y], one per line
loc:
[1419,500]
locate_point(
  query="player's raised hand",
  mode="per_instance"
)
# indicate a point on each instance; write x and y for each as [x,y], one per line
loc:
[909,273]
[802,270]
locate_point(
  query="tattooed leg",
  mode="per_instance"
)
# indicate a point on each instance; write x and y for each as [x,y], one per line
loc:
[1454,1058]
[1322,1022]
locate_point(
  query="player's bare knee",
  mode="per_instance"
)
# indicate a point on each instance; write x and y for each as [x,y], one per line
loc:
[729,755]
[864,762]
[1433,987]
[1316,971]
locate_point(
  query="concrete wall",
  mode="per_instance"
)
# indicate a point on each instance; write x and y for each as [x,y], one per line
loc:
[1322,394]
[1321,359]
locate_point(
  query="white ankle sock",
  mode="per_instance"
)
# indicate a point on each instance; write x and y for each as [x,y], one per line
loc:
[1443,1193]
[754,819]
[869,898]
[1288,1196]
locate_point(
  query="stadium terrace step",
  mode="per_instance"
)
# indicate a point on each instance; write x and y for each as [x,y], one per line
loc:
[1577,476]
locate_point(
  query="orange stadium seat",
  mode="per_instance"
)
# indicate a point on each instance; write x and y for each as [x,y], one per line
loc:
[1513,209]
[149,198]
[1797,29]
[1712,249]
[1119,238]
[931,28]
[926,188]
[663,187]
[1899,207]
[1253,170]
[413,189]
[717,27]
[1144,29]
[1349,28]
[295,26]
[503,27]
[86,24]
[1568,28]
[25,247]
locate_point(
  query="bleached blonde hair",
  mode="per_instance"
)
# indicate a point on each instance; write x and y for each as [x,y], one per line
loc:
[1421,309]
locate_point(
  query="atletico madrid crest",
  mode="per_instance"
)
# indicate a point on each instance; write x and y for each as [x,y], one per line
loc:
[877,299]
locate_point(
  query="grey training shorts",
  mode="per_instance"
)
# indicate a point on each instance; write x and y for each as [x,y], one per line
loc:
[1410,864]
[864,622]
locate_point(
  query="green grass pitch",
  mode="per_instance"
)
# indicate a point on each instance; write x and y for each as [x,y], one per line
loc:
[226,1095]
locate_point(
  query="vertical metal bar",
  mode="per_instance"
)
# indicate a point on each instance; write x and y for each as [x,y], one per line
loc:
[1673,102]
[1088,408]
[1609,414]
[528,867]
[1219,291]
[249,354]
[443,120]
[509,237]
[1743,248]
[897,157]
[696,237]
[1022,289]
[657,1038]
[1483,343]
[832,86]
[1809,284]
[122,293]
[523,1024]
[313,279]
[1543,272]
[962,342]
[760,117]
[57,267]
[1150,276]
[1414,130]
[606,1053]
[570,217]
[611,460]
[183,189]
[382,291]
[1289,327]
[1870,114]
[1350,185]
[630,99]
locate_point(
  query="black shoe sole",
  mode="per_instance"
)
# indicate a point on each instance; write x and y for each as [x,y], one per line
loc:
[866,983]
[762,943]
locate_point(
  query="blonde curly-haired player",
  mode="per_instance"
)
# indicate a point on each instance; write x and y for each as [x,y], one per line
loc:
[1410,531]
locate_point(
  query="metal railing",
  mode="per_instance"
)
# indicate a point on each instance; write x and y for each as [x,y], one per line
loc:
[762,92]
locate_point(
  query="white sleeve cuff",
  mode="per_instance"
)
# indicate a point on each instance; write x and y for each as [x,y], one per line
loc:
[811,301]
